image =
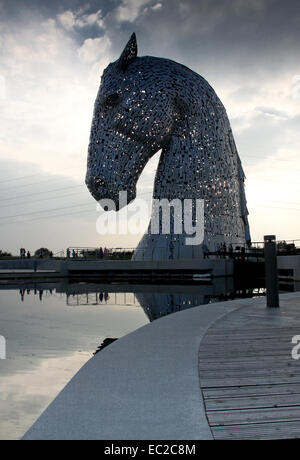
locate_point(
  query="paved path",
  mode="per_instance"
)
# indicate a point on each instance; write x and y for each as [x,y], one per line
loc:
[149,384]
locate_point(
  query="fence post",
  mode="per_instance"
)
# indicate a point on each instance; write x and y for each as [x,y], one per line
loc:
[271,273]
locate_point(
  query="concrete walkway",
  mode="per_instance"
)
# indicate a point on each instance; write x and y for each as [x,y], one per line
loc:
[144,386]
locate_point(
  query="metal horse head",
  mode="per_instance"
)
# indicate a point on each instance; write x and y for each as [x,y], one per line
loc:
[145,104]
[127,128]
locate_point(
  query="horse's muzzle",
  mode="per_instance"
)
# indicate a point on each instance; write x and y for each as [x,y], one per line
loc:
[96,186]
[101,191]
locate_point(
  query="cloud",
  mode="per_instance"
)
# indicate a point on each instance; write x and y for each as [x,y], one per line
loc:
[157,6]
[47,111]
[67,19]
[90,19]
[295,90]
[2,88]
[96,49]
[269,111]
[70,20]
[129,10]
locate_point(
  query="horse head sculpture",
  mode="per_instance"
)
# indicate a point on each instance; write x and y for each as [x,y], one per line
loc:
[146,104]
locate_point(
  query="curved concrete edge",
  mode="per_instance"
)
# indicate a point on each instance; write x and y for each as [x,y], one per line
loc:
[144,386]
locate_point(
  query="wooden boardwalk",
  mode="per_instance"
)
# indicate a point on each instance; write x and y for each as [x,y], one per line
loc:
[250,383]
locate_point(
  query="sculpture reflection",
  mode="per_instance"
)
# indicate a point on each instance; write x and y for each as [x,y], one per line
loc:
[156,305]
[179,298]
[155,300]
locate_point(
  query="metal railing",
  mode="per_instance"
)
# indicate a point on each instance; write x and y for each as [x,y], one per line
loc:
[83,253]
[162,253]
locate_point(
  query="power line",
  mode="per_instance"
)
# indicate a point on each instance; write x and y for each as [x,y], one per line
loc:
[45,210]
[19,178]
[85,212]
[65,188]
[37,174]
[45,191]
[37,201]
[47,218]
[71,206]
[36,183]
[71,169]
[148,193]
[49,210]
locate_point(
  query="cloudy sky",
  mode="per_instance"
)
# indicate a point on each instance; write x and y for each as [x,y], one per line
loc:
[52,55]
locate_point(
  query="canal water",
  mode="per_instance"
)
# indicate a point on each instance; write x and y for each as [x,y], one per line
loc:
[52,329]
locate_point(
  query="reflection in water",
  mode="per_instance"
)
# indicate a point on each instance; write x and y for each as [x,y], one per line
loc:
[25,393]
[48,343]
[36,291]
[156,305]
[100,298]
[156,300]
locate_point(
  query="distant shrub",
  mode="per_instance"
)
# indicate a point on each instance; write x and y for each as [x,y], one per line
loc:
[43,252]
[5,254]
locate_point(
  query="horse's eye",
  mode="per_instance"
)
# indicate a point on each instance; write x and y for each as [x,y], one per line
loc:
[112,100]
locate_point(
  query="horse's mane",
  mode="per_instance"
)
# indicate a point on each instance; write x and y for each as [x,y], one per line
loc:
[175,71]
[153,62]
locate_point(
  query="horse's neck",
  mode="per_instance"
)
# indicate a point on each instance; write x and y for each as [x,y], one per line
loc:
[175,176]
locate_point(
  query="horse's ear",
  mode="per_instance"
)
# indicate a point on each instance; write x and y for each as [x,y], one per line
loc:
[129,53]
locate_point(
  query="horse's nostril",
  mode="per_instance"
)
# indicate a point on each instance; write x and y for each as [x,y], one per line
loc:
[96,185]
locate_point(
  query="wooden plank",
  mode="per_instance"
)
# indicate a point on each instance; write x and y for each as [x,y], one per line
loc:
[251,402]
[259,372]
[230,366]
[249,416]
[251,329]
[259,431]
[249,381]
[251,390]
[238,381]
[240,339]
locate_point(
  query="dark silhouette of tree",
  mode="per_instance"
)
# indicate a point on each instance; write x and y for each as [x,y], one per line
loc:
[42,252]
[5,254]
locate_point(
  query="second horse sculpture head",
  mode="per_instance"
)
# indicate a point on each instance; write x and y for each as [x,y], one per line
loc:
[145,104]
